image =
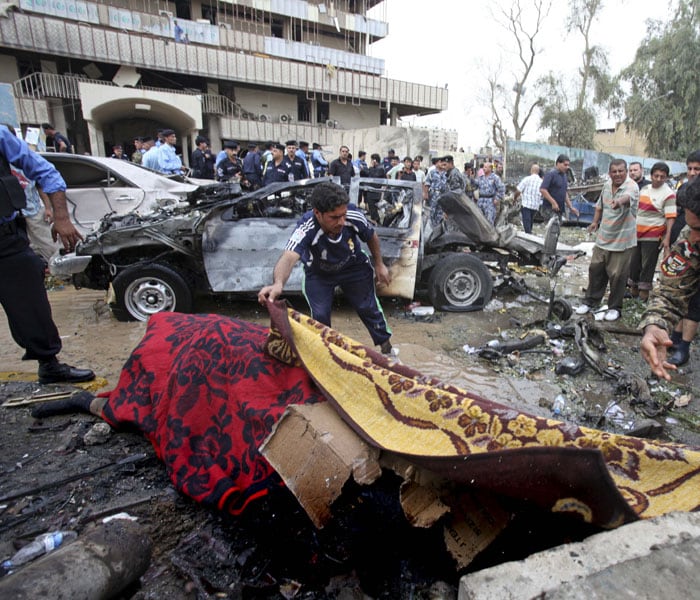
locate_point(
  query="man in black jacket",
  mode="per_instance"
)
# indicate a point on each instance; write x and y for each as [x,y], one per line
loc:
[202,159]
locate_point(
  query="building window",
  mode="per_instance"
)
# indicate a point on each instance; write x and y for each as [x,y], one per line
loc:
[304,110]
[323,111]
[277,27]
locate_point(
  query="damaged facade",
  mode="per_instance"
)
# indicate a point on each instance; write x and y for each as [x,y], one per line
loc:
[107,72]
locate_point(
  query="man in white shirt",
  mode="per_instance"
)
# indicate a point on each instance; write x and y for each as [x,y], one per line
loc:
[529,189]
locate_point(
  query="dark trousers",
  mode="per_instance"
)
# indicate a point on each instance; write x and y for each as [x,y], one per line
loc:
[357,283]
[23,295]
[528,215]
[643,264]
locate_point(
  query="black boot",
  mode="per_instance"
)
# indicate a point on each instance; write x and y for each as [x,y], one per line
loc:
[680,354]
[52,371]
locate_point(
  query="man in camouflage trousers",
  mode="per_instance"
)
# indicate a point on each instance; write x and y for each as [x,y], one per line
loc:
[680,278]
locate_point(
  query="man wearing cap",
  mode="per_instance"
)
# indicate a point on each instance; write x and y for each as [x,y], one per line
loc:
[252,167]
[319,163]
[229,168]
[277,168]
[491,192]
[342,167]
[202,159]
[454,179]
[169,162]
[296,167]
[118,152]
[328,240]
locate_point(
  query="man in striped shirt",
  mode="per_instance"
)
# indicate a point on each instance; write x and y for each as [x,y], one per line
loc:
[655,219]
[615,220]
[328,242]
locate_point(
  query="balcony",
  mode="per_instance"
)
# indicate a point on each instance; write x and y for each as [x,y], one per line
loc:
[330,83]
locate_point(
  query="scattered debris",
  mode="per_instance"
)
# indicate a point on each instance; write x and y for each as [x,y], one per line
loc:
[98,434]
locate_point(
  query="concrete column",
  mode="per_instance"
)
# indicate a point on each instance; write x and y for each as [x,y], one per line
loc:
[96,138]
[215,133]
[393,117]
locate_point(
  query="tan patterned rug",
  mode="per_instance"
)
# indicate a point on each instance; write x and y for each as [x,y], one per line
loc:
[606,479]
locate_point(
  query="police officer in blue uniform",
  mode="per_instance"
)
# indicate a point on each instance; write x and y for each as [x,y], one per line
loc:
[327,240]
[277,168]
[229,168]
[297,167]
[22,292]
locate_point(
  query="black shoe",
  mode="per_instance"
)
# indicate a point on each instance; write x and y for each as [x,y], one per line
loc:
[386,347]
[56,372]
[679,356]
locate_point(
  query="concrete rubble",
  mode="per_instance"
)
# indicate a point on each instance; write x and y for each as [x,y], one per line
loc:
[646,559]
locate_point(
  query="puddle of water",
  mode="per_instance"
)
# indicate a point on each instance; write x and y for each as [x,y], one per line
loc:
[519,393]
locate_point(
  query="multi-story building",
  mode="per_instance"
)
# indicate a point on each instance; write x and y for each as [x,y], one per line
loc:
[250,70]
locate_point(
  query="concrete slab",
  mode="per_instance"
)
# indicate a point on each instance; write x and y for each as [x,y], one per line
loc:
[647,559]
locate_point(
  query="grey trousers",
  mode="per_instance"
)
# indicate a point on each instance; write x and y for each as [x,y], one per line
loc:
[608,267]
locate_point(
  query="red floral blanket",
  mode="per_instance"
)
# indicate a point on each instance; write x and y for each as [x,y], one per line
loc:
[203,391]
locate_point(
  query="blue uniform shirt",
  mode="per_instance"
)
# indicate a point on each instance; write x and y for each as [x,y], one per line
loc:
[275,173]
[322,254]
[35,167]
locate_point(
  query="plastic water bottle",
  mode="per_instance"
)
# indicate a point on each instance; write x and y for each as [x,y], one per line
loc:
[559,405]
[41,545]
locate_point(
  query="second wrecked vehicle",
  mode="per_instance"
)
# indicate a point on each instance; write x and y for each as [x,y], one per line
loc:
[159,261]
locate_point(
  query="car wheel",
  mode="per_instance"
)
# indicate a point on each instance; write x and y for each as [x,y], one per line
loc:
[460,282]
[143,291]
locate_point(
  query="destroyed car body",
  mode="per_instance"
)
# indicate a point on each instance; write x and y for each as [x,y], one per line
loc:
[158,261]
[97,186]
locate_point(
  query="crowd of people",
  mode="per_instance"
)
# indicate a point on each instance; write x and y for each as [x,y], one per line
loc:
[636,221]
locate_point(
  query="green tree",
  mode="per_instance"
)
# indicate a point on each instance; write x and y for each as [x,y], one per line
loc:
[568,111]
[664,100]
[574,128]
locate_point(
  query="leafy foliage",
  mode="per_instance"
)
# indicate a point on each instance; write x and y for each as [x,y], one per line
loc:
[568,112]
[664,102]
[574,128]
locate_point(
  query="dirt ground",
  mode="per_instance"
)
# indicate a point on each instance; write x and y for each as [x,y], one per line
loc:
[273,551]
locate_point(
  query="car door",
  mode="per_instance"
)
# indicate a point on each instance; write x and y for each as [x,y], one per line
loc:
[94,190]
[400,208]
[242,241]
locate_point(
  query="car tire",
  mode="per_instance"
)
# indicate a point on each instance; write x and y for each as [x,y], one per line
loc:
[143,291]
[460,282]
[561,309]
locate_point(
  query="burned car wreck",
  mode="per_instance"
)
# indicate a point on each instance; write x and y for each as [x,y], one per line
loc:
[220,242]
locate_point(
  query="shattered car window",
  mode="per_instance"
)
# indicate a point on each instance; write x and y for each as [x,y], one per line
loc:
[386,205]
[393,205]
